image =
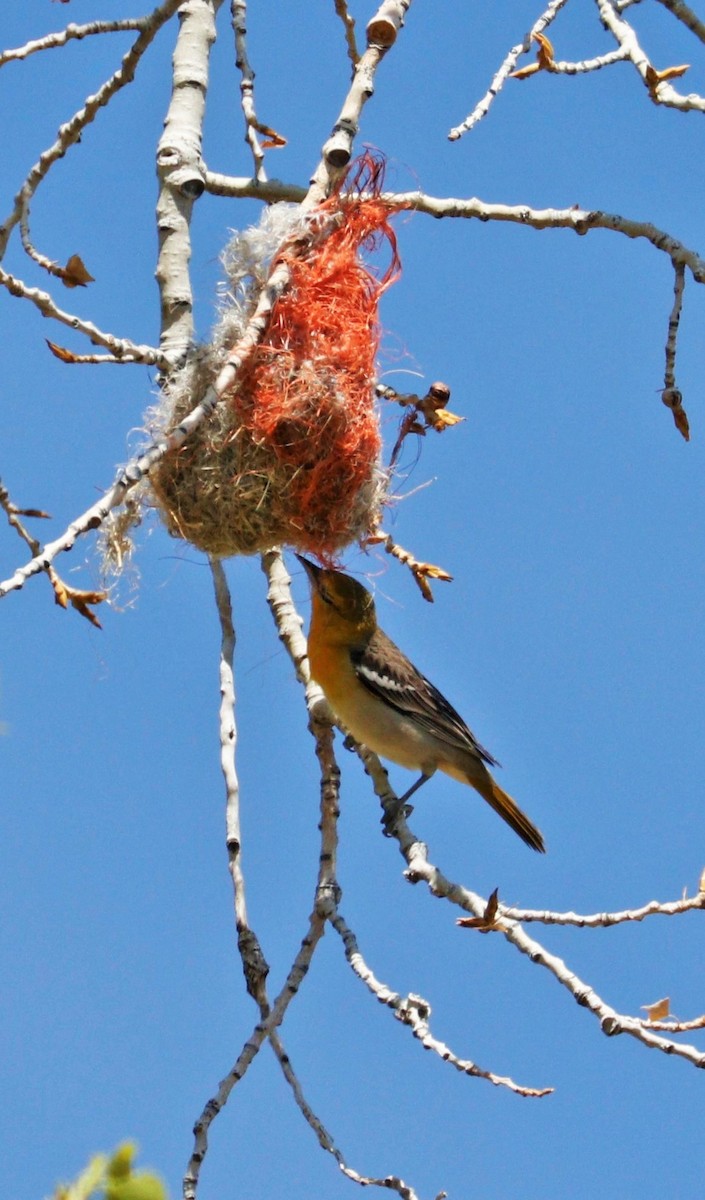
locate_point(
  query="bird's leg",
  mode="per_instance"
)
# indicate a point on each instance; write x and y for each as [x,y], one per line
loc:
[422,779]
[392,811]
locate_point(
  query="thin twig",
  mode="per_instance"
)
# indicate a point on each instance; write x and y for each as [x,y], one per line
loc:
[675,1026]
[686,16]
[72,32]
[253,126]
[238,10]
[251,1048]
[70,132]
[13,514]
[656,82]
[421,869]
[559,67]
[603,920]
[254,965]
[414,1012]
[483,106]
[671,395]
[122,349]
[580,220]
[341,9]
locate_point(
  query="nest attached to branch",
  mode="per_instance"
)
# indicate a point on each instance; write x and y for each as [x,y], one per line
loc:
[292,454]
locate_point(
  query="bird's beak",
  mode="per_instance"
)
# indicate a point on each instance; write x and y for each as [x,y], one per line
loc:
[310,568]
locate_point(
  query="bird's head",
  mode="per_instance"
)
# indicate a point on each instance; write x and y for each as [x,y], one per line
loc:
[339,603]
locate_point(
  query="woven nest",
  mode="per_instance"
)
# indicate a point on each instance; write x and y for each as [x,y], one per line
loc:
[230,493]
[292,454]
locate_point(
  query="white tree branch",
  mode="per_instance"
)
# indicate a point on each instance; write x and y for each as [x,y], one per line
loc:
[70,132]
[655,82]
[604,920]
[121,349]
[483,106]
[686,16]
[72,32]
[254,964]
[414,1012]
[580,220]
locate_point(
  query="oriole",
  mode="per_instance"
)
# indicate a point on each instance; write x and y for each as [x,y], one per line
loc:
[389,706]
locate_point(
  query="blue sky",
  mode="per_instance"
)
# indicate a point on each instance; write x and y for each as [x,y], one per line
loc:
[569,511]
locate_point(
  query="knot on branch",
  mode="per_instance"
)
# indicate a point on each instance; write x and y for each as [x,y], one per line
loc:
[328,897]
[254,964]
[412,1008]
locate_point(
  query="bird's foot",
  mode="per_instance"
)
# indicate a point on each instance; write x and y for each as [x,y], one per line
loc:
[394,810]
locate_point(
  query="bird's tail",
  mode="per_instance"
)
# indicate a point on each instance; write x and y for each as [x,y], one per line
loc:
[510,812]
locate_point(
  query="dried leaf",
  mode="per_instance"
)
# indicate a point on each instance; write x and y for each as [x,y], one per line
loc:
[654,78]
[75,273]
[61,595]
[64,595]
[422,572]
[274,140]
[81,602]
[32,512]
[658,1011]
[430,571]
[680,418]
[488,921]
[544,59]
[424,586]
[60,352]
[672,72]
[546,54]
[442,419]
[672,397]
[524,72]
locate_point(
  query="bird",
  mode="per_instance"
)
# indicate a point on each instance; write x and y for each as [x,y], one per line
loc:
[381,698]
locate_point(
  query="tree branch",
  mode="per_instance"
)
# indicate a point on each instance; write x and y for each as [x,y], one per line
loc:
[483,106]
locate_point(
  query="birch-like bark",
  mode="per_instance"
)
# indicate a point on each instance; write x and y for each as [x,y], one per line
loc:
[182,173]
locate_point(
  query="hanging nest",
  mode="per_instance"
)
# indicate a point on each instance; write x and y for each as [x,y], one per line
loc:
[292,454]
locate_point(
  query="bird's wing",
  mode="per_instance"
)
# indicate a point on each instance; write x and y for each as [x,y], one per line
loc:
[388,674]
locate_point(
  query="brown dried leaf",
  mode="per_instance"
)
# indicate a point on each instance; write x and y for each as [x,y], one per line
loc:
[60,352]
[524,72]
[658,1011]
[442,419]
[488,921]
[546,56]
[75,273]
[61,595]
[64,595]
[422,572]
[32,512]
[671,72]
[680,418]
[544,59]
[654,78]
[81,602]
[423,585]
[274,140]
[432,572]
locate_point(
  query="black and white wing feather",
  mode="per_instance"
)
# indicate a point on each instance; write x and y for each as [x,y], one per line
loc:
[388,674]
